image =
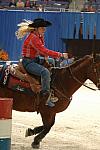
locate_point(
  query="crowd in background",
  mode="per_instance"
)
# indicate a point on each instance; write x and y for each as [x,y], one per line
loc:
[91,6]
[20,4]
[76,5]
[31,4]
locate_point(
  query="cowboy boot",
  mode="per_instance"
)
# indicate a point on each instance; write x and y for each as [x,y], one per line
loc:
[46,96]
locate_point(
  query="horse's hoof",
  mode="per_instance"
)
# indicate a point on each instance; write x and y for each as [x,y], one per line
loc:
[34,145]
[28,132]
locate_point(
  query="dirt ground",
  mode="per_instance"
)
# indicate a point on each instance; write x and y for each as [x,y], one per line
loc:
[76,128]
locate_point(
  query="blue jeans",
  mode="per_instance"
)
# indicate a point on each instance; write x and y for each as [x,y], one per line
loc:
[32,67]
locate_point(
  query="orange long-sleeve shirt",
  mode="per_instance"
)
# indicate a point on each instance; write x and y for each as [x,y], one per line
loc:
[34,46]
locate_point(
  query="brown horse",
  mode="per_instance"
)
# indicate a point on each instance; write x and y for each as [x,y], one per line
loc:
[65,81]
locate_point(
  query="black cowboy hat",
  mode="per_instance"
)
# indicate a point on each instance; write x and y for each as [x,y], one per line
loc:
[39,22]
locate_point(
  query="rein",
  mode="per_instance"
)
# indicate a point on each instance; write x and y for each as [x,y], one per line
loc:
[68,98]
[55,89]
[79,80]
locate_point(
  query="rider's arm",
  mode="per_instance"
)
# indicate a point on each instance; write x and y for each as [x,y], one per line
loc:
[41,49]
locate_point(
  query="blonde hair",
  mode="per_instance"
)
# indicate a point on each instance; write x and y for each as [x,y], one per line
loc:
[23,29]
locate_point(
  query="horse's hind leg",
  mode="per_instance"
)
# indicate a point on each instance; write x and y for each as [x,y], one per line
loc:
[48,123]
[36,130]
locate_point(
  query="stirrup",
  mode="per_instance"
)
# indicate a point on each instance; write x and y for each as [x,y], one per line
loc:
[50,103]
[54,99]
[51,99]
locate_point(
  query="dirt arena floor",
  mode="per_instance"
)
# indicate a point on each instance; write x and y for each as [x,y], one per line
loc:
[76,128]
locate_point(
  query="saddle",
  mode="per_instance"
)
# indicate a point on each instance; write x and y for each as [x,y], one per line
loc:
[26,79]
[15,77]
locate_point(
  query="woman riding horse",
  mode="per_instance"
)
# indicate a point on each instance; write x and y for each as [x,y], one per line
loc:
[33,47]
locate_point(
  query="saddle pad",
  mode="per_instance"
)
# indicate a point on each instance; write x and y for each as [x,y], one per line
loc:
[18,85]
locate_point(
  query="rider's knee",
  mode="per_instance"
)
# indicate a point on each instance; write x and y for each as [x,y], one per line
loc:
[46,72]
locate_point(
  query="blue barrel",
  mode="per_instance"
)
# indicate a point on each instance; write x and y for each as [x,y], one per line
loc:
[5,123]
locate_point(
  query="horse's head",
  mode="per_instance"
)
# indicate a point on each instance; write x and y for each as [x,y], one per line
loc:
[94,71]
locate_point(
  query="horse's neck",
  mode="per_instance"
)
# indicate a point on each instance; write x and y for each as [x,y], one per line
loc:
[79,76]
[69,80]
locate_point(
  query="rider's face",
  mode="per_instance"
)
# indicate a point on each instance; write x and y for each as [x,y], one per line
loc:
[41,30]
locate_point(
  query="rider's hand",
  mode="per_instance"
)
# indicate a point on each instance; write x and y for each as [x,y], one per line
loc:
[65,55]
[46,58]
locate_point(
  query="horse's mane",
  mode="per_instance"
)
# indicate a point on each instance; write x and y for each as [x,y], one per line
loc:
[78,63]
[81,61]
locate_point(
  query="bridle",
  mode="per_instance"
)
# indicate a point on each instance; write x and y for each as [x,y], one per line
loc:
[95,70]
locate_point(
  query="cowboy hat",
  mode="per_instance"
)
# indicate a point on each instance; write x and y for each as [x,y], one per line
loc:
[39,22]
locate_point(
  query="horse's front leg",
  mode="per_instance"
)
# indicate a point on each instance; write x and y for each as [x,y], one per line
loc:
[40,136]
[48,123]
[36,130]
